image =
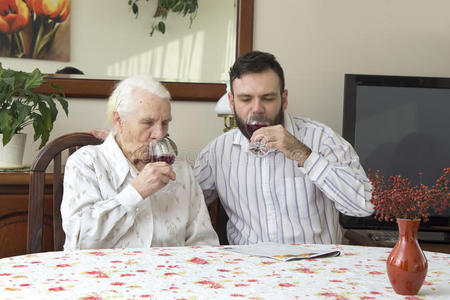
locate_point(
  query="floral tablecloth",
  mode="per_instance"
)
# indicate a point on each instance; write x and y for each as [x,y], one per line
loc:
[210,273]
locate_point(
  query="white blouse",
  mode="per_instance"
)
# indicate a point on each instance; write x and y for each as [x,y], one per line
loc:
[101,209]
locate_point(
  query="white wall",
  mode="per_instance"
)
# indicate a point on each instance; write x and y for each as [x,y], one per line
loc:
[318,41]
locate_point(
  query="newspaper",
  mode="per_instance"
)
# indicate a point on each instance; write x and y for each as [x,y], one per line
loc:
[282,252]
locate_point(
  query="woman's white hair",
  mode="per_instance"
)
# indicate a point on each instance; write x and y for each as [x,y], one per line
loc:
[121,99]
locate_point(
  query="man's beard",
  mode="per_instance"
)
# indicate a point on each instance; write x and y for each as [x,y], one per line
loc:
[241,124]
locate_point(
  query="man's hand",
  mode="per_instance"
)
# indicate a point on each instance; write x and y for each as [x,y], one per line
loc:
[279,138]
[153,177]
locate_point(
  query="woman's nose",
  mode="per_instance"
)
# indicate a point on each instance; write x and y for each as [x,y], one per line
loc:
[158,132]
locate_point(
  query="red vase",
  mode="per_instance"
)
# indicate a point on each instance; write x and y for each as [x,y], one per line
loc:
[407,265]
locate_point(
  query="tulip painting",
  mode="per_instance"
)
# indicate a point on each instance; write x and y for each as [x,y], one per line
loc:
[32,29]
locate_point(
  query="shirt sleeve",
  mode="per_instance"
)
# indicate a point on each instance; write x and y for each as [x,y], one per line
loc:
[91,219]
[205,176]
[336,171]
[199,229]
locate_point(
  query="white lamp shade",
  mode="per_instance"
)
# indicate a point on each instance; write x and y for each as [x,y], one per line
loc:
[223,106]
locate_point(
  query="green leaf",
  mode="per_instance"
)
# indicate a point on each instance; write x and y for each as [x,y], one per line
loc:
[172,3]
[38,126]
[57,87]
[178,8]
[46,114]
[5,126]
[22,111]
[161,27]
[64,104]
[40,131]
[163,3]
[135,9]
[34,80]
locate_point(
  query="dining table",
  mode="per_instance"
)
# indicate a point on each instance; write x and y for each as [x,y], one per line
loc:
[211,272]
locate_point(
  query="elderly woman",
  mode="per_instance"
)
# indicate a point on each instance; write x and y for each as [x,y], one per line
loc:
[112,196]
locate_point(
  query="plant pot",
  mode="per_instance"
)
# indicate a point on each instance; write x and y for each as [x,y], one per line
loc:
[11,155]
[407,265]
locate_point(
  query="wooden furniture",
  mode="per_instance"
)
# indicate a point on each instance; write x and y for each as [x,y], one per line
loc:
[50,153]
[14,213]
[219,219]
[361,237]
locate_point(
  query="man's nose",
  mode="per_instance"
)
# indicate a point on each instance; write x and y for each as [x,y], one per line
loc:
[257,106]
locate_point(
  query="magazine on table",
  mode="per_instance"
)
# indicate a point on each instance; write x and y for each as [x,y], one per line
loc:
[282,252]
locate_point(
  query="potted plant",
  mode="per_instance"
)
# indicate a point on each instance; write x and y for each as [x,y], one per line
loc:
[397,199]
[20,106]
[180,7]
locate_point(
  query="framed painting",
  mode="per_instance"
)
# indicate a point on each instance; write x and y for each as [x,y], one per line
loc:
[38,29]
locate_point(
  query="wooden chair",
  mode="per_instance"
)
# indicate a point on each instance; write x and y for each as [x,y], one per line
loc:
[51,152]
[219,219]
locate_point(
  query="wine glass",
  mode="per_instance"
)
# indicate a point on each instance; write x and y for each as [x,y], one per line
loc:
[163,150]
[254,122]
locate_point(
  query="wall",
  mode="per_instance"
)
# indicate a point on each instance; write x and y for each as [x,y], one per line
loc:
[318,41]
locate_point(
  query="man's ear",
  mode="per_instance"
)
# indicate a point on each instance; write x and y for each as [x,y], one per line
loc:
[284,99]
[231,101]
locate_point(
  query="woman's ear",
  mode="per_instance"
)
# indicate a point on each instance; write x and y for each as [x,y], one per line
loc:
[117,121]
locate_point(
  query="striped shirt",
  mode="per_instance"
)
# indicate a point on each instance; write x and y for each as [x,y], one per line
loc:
[273,199]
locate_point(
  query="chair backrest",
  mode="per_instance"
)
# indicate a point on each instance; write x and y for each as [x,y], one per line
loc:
[51,152]
[219,219]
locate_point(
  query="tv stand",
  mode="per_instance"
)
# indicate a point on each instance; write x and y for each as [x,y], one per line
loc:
[429,241]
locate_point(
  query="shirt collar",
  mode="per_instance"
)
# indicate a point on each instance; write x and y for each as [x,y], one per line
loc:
[241,140]
[119,165]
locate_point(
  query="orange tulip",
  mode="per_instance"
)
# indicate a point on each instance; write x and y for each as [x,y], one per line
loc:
[57,10]
[14,15]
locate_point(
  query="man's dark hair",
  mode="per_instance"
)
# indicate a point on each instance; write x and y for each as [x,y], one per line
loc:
[69,70]
[256,62]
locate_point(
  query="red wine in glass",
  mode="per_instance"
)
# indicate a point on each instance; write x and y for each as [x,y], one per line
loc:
[170,159]
[255,122]
[253,127]
[162,150]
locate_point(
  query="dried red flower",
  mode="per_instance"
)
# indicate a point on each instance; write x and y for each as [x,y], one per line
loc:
[398,198]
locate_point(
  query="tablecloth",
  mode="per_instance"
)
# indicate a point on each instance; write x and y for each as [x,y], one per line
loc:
[210,273]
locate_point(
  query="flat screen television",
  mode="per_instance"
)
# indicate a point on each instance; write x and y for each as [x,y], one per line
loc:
[399,125]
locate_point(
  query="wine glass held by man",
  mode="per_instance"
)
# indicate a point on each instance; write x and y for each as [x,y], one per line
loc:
[294,192]
[112,192]
[254,122]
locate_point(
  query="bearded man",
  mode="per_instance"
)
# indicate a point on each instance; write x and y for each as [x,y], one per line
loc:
[292,193]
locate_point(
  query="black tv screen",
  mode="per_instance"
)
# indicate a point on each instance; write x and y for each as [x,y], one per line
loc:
[399,125]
